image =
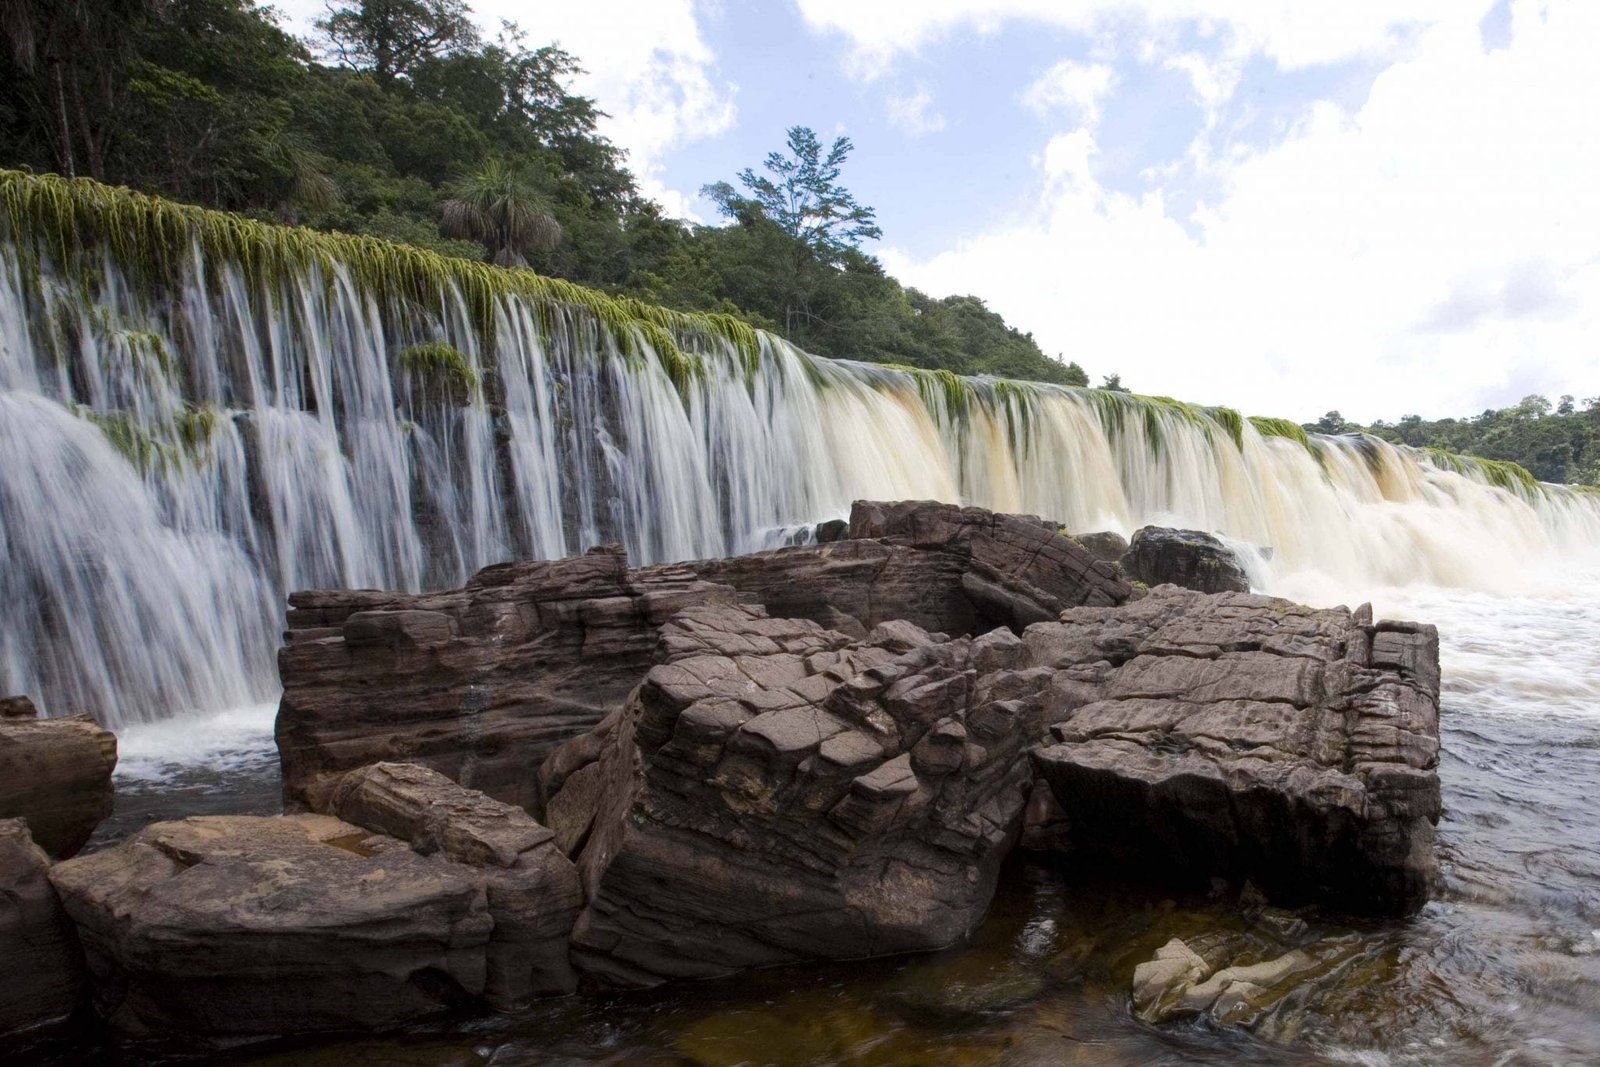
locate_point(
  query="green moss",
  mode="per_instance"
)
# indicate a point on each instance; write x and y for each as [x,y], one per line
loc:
[443,364]
[1284,428]
[1502,474]
[151,239]
[168,444]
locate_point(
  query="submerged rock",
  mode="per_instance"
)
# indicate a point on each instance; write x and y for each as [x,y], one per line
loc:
[478,683]
[56,774]
[1159,555]
[43,983]
[1243,737]
[777,791]
[422,897]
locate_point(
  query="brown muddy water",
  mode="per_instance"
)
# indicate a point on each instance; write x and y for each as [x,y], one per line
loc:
[1501,970]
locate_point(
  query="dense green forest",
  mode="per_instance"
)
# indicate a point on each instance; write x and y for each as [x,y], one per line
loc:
[1557,442]
[401,120]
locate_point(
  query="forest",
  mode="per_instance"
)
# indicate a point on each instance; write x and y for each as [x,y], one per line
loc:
[400,119]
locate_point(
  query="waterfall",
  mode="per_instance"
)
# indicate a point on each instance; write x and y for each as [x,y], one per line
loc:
[200,413]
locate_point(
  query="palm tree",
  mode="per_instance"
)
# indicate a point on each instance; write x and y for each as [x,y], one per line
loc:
[499,206]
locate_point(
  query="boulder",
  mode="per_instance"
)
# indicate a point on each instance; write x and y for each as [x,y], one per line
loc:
[1159,555]
[1024,568]
[532,888]
[776,791]
[478,683]
[56,774]
[1108,546]
[1240,736]
[17,707]
[830,531]
[234,927]
[44,967]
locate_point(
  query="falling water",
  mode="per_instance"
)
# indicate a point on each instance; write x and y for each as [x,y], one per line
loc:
[182,448]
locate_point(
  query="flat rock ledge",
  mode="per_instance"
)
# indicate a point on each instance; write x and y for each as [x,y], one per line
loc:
[1241,736]
[55,774]
[423,898]
[777,792]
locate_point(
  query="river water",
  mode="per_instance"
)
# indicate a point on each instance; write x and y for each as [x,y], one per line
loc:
[1502,968]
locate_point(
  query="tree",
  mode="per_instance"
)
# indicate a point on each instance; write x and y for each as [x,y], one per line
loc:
[804,196]
[1113,382]
[500,207]
[390,37]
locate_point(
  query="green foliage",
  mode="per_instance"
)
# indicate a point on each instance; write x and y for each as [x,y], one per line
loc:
[442,363]
[1284,428]
[209,102]
[1549,442]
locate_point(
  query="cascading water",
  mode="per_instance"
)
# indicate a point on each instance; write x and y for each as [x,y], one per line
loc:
[196,420]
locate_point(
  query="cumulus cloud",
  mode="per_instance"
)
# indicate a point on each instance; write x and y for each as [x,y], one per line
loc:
[1435,249]
[1077,88]
[646,63]
[913,112]
[1293,33]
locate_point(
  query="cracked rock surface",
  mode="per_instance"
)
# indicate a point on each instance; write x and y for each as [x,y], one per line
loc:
[776,791]
[1243,736]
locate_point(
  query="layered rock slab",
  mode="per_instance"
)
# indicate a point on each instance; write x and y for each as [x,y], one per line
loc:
[55,774]
[478,683]
[1024,569]
[420,898]
[1243,736]
[776,791]
[43,983]
[532,888]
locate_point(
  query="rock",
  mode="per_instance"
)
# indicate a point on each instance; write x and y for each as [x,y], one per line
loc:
[832,530]
[18,707]
[56,774]
[776,791]
[1021,565]
[532,888]
[1241,979]
[1244,737]
[1188,558]
[44,968]
[1108,546]
[235,927]
[478,683]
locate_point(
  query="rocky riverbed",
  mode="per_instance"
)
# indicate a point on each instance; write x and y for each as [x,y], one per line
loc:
[1055,971]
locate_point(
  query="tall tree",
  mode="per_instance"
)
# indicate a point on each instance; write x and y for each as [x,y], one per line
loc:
[390,37]
[804,197]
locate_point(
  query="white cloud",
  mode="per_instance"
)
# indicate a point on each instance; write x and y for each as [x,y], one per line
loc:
[1437,250]
[1294,33]
[1075,87]
[647,65]
[912,114]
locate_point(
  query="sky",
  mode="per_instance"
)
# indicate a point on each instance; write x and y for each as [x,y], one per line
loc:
[1383,207]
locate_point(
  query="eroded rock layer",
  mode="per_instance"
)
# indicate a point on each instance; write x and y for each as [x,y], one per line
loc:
[776,791]
[43,979]
[1243,736]
[56,774]
[478,683]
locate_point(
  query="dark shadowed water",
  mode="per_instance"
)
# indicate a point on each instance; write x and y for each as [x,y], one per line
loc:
[1501,970]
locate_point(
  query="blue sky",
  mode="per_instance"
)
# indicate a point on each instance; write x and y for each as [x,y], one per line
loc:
[1384,206]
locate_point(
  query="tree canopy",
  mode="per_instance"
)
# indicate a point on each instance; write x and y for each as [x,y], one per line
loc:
[403,121]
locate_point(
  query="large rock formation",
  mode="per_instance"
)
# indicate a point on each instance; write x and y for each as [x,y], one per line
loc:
[233,927]
[56,774]
[532,888]
[1247,737]
[777,791]
[1024,568]
[478,683]
[1159,555]
[43,980]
